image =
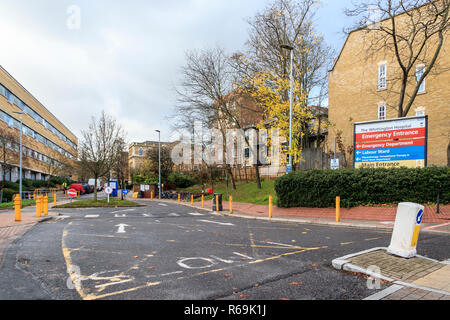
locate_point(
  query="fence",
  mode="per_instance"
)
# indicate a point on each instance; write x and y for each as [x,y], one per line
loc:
[316,158]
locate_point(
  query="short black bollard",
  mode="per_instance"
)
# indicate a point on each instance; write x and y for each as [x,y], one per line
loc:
[217,196]
[437,200]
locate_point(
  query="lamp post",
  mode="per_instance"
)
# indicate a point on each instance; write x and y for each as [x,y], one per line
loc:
[291,98]
[20,151]
[159,162]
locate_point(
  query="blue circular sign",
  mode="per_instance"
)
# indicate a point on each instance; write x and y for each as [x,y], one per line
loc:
[419,217]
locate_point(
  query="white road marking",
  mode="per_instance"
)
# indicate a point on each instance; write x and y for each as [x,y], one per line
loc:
[120,215]
[146,215]
[196,214]
[220,223]
[92,216]
[171,273]
[222,260]
[123,210]
[243,255]
[121,228]
[174,215]
[162,204]
[182,263]
[280,244]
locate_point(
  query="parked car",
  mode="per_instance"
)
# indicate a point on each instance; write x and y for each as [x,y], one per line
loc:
[78,187]
[88,189]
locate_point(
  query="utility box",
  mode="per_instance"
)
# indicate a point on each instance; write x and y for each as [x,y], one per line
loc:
[217,207]
[406,230]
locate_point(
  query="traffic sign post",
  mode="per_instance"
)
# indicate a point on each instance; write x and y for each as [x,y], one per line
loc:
[72,193]
[108,191]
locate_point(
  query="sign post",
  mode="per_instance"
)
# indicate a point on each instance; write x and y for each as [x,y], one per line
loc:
[108,191]
[72,193]
[391,143]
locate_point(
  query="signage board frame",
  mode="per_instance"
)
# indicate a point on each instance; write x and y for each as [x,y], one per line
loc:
[389,121]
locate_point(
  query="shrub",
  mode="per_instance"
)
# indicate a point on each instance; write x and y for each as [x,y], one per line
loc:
[8,195]
[181,180]
[319,188]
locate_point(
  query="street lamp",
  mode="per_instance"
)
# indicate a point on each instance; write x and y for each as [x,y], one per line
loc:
[20,151]
[159,162]
[291,49]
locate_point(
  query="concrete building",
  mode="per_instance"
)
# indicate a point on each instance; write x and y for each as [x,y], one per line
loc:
[364,86]
[47,142]
[138,151]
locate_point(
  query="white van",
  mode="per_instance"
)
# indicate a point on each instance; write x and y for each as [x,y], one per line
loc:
[91,182]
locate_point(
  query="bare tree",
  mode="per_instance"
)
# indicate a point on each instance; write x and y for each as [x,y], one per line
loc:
[9,151]
[98,147]
[412,31]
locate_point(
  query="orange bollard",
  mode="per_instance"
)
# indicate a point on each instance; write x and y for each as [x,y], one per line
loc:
[338,209]
[192,199]
[151,195]
[46,206]
[54,199]
[17,208]
[231,204]
[38,207]
[203,201]
[179,198]
[270,206]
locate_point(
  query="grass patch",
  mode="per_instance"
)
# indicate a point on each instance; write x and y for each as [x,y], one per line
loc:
[246,192]
[10,205]
[113,203]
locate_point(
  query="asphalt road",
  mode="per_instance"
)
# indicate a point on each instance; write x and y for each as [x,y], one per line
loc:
[169,252]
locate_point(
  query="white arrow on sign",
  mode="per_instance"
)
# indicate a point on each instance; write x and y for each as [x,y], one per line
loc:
[121,227]
[221,223]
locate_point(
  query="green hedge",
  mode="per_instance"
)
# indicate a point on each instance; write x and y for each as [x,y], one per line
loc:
[319,188]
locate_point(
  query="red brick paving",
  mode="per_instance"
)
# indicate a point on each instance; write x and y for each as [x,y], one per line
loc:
[357,213]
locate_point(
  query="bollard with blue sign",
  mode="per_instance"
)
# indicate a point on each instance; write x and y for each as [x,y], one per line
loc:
[406,230]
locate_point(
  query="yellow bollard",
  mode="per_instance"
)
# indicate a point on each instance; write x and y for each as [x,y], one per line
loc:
[38,207]
[203,201]
[217,203]
[192,199]
[270,206]
[151,195]
[65,194]
[42,205]
[17,208]
[54,199]
[338,209]
[231,204]
[46,206]
[179,198]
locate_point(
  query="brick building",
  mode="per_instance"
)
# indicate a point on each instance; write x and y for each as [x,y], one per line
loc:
[47,143]
[364,86]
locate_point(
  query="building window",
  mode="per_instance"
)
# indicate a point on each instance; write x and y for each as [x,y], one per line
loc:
[420,70]
[420,112]
[382,76]
[141,152]
[382,112]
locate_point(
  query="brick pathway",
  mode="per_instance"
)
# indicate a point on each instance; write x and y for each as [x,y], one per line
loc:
[409,293]
[358,213]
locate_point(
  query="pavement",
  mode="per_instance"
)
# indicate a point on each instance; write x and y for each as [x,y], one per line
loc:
[419,278]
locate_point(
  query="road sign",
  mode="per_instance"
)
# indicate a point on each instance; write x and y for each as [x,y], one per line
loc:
[125,191]
[288,168]
[334,164]
[72,193]
[108,190]
[391,143]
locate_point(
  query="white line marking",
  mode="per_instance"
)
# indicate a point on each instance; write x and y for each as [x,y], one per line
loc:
[174,215]
[222,260]
[121,228]
[123,210]
[120,215]
[220,223]
[196,214]
[162,204]
[92,216]
[280,244]
[147,215]
[170,273]
[243,255]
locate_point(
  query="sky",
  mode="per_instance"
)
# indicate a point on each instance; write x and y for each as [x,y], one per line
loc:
[80,57]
